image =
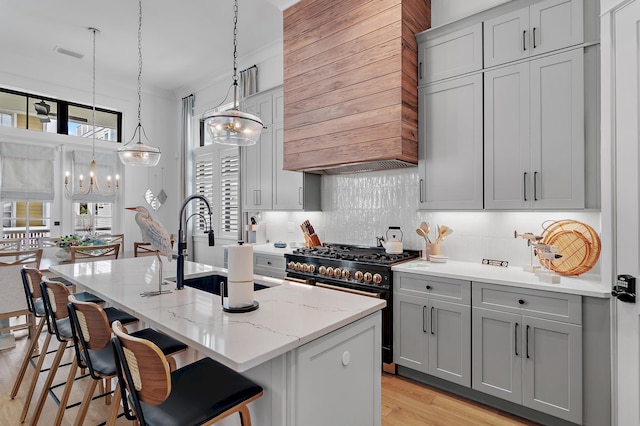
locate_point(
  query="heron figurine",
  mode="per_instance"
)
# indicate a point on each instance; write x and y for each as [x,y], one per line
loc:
[160,240]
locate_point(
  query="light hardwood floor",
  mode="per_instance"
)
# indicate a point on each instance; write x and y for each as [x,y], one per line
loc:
[404,402]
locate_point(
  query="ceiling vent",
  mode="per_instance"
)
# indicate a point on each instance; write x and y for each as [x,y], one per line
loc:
[69,52]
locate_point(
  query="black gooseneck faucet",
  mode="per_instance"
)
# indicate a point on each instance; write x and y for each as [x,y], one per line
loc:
[182,237]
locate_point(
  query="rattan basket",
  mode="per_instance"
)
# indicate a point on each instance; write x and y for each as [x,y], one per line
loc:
[577,242]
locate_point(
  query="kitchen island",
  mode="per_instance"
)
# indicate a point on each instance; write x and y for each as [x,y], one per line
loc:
[315,351]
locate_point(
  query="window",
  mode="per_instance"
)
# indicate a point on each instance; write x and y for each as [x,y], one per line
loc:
[27,221]
[92,218]
[43,114]
[204,186]
[229,169]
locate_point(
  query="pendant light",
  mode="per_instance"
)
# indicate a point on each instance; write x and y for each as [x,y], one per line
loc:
[139,154]
[233,127]
[93,187]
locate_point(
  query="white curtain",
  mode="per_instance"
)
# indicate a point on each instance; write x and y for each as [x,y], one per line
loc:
[27,173]
[249,81]
[106,166]
[186,136]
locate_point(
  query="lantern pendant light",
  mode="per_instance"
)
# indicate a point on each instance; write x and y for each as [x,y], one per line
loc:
[233,127]
[139,154]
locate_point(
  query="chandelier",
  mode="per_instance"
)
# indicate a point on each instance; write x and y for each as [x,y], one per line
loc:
[233,127]
[139,154]
[92,187]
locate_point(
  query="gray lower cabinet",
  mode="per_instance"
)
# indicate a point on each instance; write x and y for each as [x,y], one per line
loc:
[521,355]
[269,265]
[432,335]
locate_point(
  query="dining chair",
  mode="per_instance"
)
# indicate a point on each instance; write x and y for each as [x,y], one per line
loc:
[11,244]
[93,334]
[12,300]
[144,248]
[55,297]
[202,392]
[112,239]
[93,253]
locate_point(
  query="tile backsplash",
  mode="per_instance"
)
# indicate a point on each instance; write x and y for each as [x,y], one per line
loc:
[359,207]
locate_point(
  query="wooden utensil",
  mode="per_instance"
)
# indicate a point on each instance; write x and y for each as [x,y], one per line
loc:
[423,234]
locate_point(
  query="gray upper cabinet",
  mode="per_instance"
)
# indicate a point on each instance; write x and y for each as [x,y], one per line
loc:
[540,28]
[534,134]
[450,54]
[257,169]
[450,149]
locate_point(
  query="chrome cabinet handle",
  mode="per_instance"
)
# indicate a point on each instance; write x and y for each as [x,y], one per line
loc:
[420,70]
[259,191]
[524,40]
[528,341]
[535,186]
[524,185]
[534,37]
[424,322]
[255,197]
[421,190]
[516,338]
[432,332]
[300,195]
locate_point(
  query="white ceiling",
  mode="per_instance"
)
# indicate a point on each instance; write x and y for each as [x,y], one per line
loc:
[183,41]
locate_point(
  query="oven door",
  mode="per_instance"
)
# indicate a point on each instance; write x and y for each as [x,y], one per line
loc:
[348,290]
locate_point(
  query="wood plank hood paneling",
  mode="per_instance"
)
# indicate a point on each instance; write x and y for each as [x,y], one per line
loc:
[350,84]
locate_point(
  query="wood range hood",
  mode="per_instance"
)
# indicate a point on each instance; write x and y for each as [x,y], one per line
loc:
[350,84]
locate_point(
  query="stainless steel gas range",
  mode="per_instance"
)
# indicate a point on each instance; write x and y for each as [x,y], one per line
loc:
[357,269]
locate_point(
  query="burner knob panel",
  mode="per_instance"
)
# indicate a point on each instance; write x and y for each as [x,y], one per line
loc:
[377,278]
[312,268]
[298,266]
[305,267]
[367,277]
[292,265]
[346,274]
[358,276]
[322,270]
[329,271]
[337,272]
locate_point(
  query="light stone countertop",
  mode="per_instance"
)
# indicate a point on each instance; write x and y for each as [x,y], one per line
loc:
[514,276]
[289,315]
[270,249]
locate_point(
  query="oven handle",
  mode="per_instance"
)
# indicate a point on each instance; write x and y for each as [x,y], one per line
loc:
[349,290]
[297,280]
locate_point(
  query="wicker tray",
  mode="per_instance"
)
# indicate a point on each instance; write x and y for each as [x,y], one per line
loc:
[577,242]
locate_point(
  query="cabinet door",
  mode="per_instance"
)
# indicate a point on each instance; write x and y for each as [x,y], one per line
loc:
[257,165]
[552,379]
[507,180]
[555,24]
[557,130]
[507,38]
[287,185]
[497,354]
[450,137]
[410,332]
[450,342]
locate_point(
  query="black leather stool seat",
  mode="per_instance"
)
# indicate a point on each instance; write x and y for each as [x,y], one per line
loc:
[200,391]
[85,296]
[38,307]
[114,314]
[64,328]
[166,343]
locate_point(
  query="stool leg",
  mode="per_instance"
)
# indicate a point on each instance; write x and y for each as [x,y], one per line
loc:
[84,406]
[27,358]
[67,391]
[115,405]
[47,384]
[34,379]
[107,388]
[245,416]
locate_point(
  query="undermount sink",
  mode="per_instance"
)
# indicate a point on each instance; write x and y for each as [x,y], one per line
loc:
[211,283]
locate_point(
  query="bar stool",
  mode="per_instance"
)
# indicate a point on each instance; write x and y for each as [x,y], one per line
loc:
[93,339]
[31,278]
[203,392]
[55,297]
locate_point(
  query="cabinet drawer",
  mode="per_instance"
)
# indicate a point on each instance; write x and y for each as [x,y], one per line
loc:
[269,265]
[451,290]
[537,303]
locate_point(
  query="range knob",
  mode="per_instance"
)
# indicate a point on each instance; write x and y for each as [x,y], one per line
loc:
[329,271]
[337,272]
[305,267]
[377,278]
[322,270]
[298,266]
[358,276]
[346,274]
[368,277]
[291,265]
[312,268]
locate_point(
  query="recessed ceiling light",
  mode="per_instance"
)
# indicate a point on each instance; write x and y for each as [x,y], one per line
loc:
[69,52]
